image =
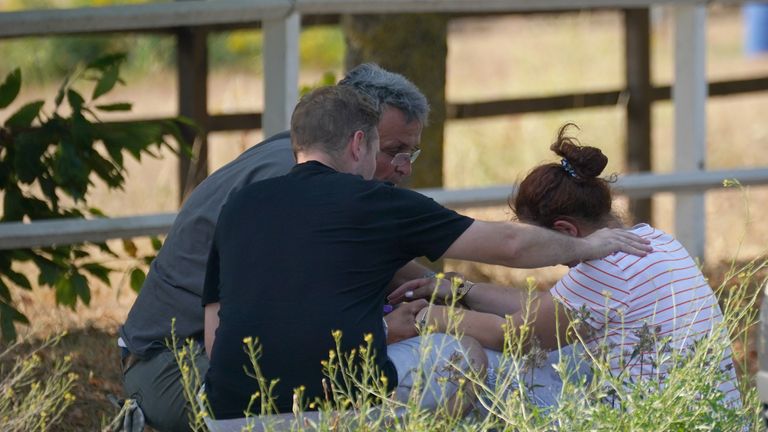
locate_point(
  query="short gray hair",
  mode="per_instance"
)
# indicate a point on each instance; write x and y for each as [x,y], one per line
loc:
[389,88]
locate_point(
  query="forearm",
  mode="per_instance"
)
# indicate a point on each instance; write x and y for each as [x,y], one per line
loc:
[495,299]
[547,321]
[527,246]
[211,324]
[530,246]
[515,245]
[484,327]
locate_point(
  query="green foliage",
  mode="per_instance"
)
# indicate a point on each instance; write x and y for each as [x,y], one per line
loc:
[48,163]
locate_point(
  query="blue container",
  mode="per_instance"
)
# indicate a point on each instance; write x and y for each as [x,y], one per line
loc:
[756,18]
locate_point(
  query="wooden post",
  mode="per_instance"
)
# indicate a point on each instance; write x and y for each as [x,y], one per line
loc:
[281,72]
[689,94]
[638,81]
[192,70]
[420,55]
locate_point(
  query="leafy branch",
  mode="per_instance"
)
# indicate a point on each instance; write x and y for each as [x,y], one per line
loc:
[48,163]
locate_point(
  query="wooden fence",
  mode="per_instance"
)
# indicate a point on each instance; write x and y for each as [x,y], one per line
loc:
[192,20]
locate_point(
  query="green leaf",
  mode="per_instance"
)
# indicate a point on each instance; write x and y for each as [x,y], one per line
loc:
[106,82]
[5,171]
[9,89]
[98,271]
[62,90]
[6,259]
[107,61]
[13,204]
[106,170]
[22,255]
[130,248]
[71,172]
[156,243]
[124,106]
[137,279]
[28,160]
[48,187]
[107,250]
[8,316]
[5,293]
[65,292]
[24,117]
[50,272]
[79,253]
[18,279]
[96,212]
[75,100]
[36,208]
[80,285]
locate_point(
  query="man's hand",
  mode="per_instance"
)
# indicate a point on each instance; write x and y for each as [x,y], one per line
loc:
[441,286]
[422,288]
[401,322]
[606,241]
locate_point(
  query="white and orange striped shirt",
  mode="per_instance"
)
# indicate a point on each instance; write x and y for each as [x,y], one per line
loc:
[663,291]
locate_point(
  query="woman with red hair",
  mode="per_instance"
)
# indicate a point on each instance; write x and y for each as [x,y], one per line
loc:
[635,307]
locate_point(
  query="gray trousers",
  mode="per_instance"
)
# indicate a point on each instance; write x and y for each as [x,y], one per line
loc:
[156,386]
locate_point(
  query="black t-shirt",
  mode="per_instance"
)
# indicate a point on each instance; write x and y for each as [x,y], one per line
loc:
[298,256]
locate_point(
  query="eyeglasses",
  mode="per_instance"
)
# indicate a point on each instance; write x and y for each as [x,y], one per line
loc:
[401,159]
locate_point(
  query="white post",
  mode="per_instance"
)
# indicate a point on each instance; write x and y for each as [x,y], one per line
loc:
[281,72]
[689,93]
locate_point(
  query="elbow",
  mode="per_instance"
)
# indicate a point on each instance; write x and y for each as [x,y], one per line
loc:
[513,250]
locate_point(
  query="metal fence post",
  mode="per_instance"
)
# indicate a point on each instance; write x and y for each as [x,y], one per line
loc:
[281,72]
[689,93]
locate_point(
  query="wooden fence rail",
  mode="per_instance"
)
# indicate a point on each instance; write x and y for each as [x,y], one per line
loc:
[18,235]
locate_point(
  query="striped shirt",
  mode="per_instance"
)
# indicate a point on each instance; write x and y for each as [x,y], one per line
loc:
[634,304]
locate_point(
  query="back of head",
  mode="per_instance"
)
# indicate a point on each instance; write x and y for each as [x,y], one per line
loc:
[569,189]
[327,117]
[389,88]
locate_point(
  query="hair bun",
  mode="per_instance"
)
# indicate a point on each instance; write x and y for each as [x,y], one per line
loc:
[587,162]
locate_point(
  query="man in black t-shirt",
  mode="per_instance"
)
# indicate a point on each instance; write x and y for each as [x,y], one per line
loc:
[298,256]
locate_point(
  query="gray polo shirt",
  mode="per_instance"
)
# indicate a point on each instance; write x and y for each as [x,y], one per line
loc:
[174,284]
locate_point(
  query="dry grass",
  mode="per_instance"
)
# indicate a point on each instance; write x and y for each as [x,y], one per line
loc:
[491,58]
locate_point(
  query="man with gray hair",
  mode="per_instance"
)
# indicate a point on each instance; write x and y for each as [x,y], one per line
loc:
[174,284]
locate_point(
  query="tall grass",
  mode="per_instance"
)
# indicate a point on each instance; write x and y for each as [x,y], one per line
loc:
[357,399]
[35,392]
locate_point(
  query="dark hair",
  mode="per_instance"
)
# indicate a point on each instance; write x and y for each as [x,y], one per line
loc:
[570,188]
[326,118]
[389,88]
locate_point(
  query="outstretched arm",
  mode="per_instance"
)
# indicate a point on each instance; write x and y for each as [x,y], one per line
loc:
[527,246]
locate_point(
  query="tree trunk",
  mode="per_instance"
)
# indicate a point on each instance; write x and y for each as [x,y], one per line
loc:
[414,45]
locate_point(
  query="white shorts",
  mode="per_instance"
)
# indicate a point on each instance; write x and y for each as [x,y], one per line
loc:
[543,384]
[433,362]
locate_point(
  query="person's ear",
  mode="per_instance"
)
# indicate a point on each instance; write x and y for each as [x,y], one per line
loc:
[356,143]
[566,227]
